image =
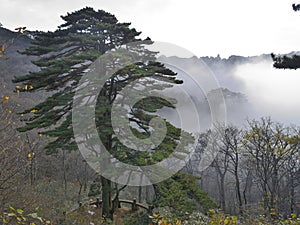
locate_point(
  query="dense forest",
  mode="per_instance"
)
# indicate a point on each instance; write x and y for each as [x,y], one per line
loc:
[70,98]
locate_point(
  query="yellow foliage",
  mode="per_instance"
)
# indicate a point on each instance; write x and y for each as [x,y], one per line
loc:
[155,216]
[219,218]
[6,98]
[273,212]
[161,220]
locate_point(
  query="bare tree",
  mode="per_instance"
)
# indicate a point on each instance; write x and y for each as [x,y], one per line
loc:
[13,151]
[231,139]
[221,163]
[269,147]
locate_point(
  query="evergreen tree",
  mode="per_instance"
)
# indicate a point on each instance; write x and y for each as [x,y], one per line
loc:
[65,57]
[296,7]
[182,194]
[285,61]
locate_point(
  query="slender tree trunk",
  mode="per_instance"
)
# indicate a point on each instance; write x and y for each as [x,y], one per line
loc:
[238,191]
[64,171]
[222,192]
[140,194]
[265,198]
[221,186]
[85,177]
[31,172]
[274,194]
[245,189]
[147,193]
[237,183]
[106,184]
[292,195]
[248,187]
[79,192]
[107,211]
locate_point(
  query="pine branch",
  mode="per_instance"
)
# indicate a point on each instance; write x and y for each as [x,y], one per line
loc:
[296,7]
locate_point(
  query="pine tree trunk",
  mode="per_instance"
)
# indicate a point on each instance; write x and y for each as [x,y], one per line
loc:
[147,193]
[107,211]
[140,194]
[106,184]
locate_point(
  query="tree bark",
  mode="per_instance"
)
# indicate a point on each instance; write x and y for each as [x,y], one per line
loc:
[107,211]
[140,194]
[238,190]
[292,195]
[222,192]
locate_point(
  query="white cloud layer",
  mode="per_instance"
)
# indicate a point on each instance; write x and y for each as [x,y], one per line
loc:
[272,92]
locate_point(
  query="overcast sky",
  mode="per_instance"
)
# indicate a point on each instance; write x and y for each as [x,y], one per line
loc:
[204,27]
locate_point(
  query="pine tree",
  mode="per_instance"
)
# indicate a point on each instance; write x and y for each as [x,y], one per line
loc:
[182,194]
[65,57]
[287,62]
[296,7]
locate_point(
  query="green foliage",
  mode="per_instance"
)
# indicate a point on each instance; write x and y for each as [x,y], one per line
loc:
[95,188]
[17,216]
[164,219]
[64,55]
[167,218]
[286,62]
[294,219]
[134,219]
[271,149]
[296,7]
[219,218]
[182,194]
[84,215]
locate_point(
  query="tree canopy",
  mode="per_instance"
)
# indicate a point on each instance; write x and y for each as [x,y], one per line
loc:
[66,55]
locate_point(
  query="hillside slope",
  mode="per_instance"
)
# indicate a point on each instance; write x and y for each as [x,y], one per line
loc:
[12,64]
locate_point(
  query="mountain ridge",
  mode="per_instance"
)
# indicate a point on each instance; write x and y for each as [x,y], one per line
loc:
[15,64]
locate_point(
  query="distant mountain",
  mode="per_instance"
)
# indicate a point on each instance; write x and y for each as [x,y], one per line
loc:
[222,69]
[12,64]
[204,78]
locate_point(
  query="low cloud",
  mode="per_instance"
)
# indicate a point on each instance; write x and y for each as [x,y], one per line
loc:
[271,91]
